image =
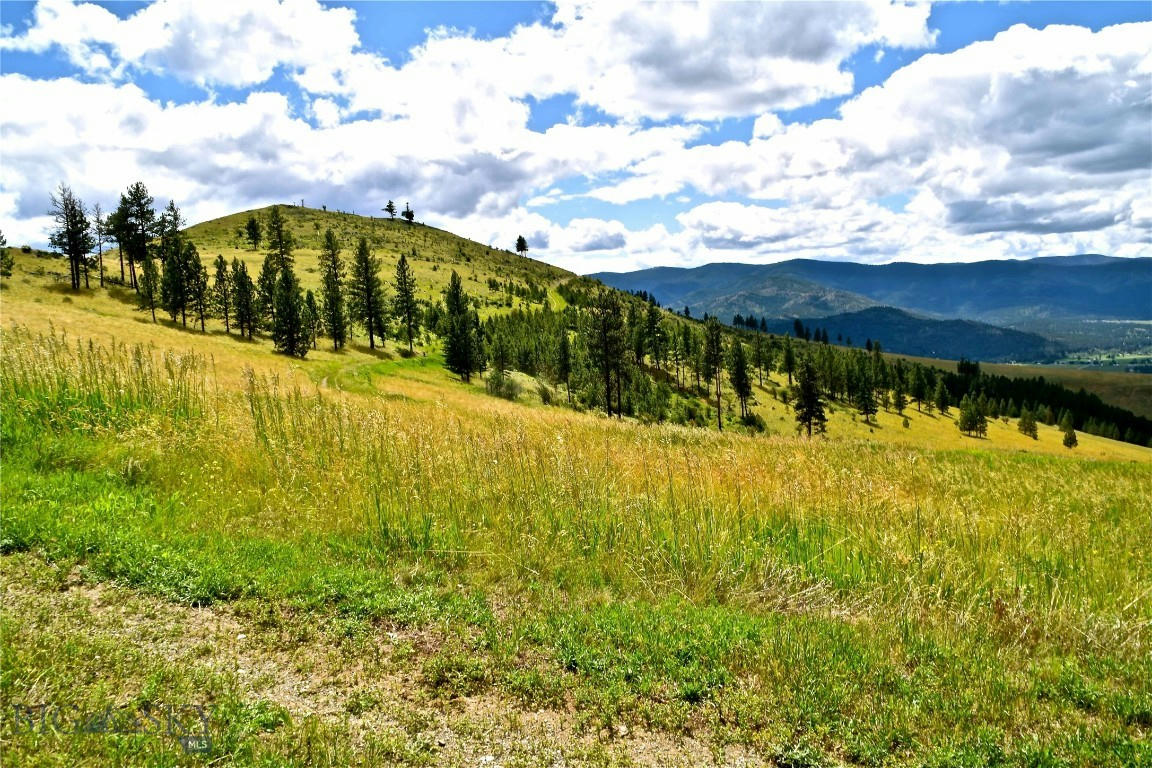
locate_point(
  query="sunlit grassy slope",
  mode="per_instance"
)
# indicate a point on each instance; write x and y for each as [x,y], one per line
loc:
[38,296]
[356,559]
[437,252]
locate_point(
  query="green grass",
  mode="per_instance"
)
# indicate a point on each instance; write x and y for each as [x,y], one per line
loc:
[809,602]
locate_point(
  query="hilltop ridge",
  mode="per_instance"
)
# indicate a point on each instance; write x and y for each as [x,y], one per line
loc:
[437,251]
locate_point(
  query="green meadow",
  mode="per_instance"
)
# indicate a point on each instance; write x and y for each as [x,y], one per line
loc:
[357,577]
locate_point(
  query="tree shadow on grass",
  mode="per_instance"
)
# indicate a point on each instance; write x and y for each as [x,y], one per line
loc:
[61,285]
[379,352]
[123,294]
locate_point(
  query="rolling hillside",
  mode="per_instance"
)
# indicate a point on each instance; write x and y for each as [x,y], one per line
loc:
[485,270]
[357,558]
[415,572]
[436,251]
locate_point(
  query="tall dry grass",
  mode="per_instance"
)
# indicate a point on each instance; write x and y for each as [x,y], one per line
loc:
[517,494]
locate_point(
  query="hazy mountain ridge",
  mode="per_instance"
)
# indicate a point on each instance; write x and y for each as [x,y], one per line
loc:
[1037,296]
[1087,285]
[995,291]
[903,332]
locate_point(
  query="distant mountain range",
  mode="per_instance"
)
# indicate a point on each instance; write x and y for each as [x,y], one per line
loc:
[1036,298]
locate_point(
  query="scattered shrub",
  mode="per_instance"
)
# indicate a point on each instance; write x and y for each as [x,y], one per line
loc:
[502,385]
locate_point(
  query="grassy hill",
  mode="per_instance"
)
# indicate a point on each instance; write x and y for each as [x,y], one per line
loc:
[437,251]
[356,558]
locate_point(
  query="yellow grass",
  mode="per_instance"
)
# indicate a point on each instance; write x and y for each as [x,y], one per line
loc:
[33,297]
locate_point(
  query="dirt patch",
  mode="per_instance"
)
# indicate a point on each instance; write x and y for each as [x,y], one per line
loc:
[367,684]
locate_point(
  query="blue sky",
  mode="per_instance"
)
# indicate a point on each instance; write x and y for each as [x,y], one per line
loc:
[611,137]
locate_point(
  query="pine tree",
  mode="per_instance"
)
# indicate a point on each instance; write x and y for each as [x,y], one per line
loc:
[101,233]
[253,231]
[636,334]
[564,362]
[366,294]
[460,346]
[697,353]
[404,305]
[808,406]
[311,318]
[288,332]
[940,398]
[266,291]
[222,292]
[409,215]
[788,363]
[899,401]
[174,288]
[280,241]
[149,285]
[499,355]
[138,227]
[738,375]
[476,336]
[118,231]
[390,209]
[919,389]
[865,399]
[7,260]
[1070,440]
[972,419]
[759,359]
[965,421]
[72,234]
[243,299]
[686,347]
[197,283]
[654,340]
[607,341]
[1027,424]
[521,246]
[714,361]
[334,319]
